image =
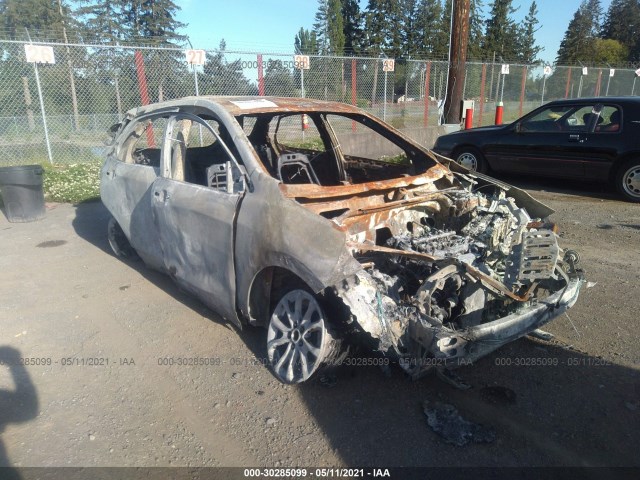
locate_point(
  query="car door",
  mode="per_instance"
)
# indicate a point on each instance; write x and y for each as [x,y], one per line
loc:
[605,142]
[127,179]
[550,142]
[195,203]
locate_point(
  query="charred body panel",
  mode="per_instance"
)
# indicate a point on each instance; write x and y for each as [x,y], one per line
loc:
[457,277]
[415,256]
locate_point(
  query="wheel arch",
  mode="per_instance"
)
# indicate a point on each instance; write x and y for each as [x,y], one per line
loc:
[619,162]
[264,288]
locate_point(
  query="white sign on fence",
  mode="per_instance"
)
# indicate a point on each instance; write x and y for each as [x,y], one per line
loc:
[39,54]
[547,70]
[638,72]
[301,62]
[195,57]
[388,65]
[612,72]
[505,69]
[585,71]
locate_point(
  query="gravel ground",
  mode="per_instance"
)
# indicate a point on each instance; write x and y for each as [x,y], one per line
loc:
[65,299]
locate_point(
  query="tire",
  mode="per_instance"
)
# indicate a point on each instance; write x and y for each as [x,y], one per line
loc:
[471,158]
[299,340]
[119,242]
[627,180]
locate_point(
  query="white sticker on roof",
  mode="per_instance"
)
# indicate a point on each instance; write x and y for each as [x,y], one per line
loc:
[250,104]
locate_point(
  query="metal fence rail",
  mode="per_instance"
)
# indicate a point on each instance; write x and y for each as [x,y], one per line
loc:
[62,111]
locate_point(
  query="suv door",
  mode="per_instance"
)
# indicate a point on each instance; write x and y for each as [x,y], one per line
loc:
[194,203]
[127,178]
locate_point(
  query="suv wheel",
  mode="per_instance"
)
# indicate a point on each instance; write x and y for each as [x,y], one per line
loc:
[298,338]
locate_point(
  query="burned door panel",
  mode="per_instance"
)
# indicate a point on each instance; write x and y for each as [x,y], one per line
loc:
[126,191]
[195,228]
[276,231]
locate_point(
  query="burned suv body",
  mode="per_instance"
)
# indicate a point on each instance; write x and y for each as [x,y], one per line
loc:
[343,232]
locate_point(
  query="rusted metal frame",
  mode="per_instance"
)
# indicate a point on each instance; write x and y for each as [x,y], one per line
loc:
[397,204]
[360,203]
[316,191]
[493,284]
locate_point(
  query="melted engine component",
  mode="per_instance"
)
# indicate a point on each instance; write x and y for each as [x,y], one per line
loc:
[441,292]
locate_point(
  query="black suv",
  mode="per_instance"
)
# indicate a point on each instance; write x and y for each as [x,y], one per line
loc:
[586,138]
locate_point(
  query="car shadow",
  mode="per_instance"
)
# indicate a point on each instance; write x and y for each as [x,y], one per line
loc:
[90,223]
[562,408]
[17,405]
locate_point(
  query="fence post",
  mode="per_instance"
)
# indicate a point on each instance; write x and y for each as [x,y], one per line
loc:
[44,115]
[566,90]
[260,76]
[27,102]
[384,107]
[522,89]
[427,79]
[354,96]
[144,92]
[482,87]
[596,92]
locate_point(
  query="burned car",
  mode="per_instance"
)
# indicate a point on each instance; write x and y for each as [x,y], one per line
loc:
[332,230]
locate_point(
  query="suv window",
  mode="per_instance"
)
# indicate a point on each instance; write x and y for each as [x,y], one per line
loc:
[143,144]
[197,155]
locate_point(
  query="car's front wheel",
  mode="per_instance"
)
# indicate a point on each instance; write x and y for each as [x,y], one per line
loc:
[471,158]
[628,180]
[298,338]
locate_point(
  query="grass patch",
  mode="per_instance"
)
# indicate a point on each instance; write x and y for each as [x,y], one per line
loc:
[73,183]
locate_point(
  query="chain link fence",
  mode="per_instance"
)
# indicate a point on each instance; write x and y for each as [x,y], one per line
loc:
[61,112]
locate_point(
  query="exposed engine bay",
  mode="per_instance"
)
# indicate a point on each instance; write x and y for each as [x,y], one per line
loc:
[439,269]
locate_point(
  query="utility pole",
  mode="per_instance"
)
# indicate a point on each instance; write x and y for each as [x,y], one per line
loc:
[459,40]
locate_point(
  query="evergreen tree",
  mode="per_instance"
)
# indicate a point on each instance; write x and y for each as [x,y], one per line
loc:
[220,77]
[321,26]
[476,30]
[157,22]
[103,21]
[428,25]
[353,33]
[527,48]
[577,44]
[305,42]
[501,31]
[40,17]
[335,27]
[374,28]
[441,49]
[621,23]
[278,80]
[410,32]
[383,28]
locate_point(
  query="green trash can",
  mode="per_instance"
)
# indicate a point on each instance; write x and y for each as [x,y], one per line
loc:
[22,194]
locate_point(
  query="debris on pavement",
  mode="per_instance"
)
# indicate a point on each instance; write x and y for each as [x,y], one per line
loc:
[445,420]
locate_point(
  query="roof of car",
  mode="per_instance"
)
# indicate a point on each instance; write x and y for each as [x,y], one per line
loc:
[247,105]
[627,99]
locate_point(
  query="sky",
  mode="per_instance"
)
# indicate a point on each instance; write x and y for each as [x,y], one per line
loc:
[271,25]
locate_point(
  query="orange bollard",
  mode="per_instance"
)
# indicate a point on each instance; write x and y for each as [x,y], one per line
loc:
[468,119]
[499,110]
